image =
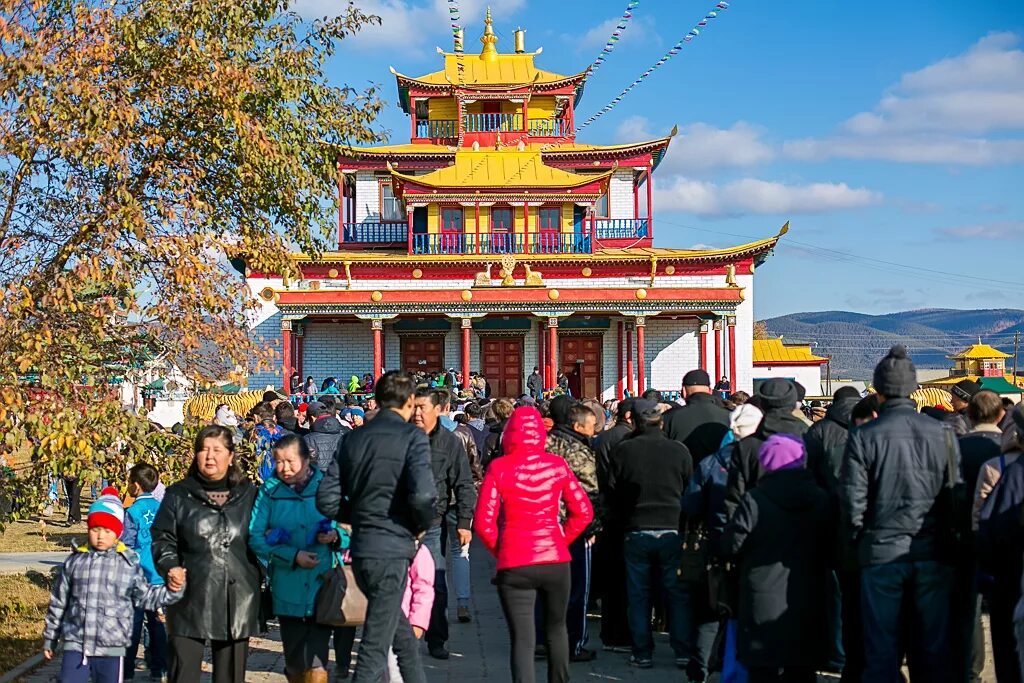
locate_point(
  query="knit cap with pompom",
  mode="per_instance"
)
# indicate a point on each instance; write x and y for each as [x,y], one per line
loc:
[895,375]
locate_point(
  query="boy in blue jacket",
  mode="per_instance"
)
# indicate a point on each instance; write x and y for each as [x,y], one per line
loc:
[93,602]
[143,480]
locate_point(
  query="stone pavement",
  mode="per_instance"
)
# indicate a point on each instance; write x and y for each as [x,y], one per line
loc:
[479,649]
[19,563]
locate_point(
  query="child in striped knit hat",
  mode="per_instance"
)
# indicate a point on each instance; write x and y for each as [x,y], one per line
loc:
[94,598]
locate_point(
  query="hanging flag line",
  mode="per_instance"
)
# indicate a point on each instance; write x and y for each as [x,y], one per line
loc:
[455,18]
[693,33]
[613,40]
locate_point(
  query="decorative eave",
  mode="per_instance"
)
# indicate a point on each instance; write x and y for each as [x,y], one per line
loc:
[561,183]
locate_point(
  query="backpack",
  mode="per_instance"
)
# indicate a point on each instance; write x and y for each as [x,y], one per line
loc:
[265,439]
[1000,537]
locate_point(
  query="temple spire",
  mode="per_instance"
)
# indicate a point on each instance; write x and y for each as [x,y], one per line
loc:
[489,53]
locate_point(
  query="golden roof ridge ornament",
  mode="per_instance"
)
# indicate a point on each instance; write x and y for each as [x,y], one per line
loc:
[489,53]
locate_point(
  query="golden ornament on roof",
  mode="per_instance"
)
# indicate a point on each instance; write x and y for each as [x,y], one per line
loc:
[489,53]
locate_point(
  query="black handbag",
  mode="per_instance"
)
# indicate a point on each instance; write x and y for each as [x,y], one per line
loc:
[339,602]
[693,565]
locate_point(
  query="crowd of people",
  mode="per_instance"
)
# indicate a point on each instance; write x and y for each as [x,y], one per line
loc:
[770,539]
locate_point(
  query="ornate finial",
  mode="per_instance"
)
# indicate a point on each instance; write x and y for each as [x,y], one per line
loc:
[490,52]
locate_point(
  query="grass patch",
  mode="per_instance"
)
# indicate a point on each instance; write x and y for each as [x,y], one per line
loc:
[23,601]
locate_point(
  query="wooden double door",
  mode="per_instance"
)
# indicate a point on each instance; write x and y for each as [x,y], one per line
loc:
[584,377]
[502,364]
[422,353]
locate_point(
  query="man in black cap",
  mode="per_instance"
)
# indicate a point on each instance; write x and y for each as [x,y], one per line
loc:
[647,477]
[702,423]
[778,399]
[895,490]
[961,393]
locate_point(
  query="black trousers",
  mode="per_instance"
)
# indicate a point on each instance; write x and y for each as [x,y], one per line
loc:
[186,663]
[344,638]
[787,675]
[383,582]
[579,596]
[852,625]
[73,487]
[305,643]
[518,590]
[610,556]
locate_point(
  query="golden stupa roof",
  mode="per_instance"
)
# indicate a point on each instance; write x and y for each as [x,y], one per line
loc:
[506,168]
[979,351]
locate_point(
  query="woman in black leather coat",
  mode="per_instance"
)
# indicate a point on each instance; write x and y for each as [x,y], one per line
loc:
[203,526]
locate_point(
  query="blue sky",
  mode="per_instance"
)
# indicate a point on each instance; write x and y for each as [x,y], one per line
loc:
[891,135]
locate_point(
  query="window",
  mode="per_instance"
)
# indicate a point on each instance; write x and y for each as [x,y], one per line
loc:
[550,219]
[422,110]
[602,206]
[451,220]
[392,208]
[501,220]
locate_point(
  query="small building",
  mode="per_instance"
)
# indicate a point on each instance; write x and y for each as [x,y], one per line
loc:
[985,365]
[493,241]
[777,358]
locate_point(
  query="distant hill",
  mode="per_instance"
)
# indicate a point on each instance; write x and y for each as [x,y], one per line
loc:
[856,341]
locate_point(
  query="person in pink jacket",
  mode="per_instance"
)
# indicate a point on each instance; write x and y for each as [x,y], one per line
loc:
[517,519]
[416,604]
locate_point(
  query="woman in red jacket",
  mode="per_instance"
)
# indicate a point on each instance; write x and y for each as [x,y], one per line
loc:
[517,520]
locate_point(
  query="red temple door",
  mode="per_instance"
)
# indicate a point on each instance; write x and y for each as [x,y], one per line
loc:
[502,365]
[422,353]
[585,377]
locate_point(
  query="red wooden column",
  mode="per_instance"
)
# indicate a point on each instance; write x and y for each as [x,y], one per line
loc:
[618,363]
[629,360]
[552,351]
[541,362]
[718,352]
[408,213]
[636,199]
[378,347]
[286,355]
[732,351]
[641,380]
[467,325]
[650,206]
[298,337]
[702,347]
[593,230]
[342,203]
[477,225]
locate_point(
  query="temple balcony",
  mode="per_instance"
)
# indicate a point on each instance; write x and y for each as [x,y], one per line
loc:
[623,228]
[482,127]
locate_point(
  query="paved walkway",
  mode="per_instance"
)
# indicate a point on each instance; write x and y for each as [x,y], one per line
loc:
[19,563]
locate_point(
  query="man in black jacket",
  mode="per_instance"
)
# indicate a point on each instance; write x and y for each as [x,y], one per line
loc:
[648,475]
[895,493]
[381,484]
[450,466]
[325,435]
[778,398]
[702,423]
[826,443]
[609,574]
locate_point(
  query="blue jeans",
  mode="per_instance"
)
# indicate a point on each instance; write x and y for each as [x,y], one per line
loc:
[923,589]
[460,560]
[437,633]
[156,652]
[74,669]
[660,549]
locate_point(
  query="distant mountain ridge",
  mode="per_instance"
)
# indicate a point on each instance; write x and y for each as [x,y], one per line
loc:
[856,341]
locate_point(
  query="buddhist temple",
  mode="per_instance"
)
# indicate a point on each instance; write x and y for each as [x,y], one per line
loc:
[985,365]
[795,361]
[492,241]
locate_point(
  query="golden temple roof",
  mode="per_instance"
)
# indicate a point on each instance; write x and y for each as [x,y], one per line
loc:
[979,351]
[503,70]
[776,352]
[500,169]
[412,149]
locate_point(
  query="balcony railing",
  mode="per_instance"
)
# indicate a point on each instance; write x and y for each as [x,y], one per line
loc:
[622,228]
[492,123]
[550,128]
[437,128]
[500,243]
[379,232]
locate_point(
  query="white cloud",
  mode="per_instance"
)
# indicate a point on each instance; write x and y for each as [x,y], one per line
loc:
[414,26]
[639,30]
[995,230]
[701,146]
[751,195]
[936,114]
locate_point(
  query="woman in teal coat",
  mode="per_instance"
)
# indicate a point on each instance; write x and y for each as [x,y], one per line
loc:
[296,544]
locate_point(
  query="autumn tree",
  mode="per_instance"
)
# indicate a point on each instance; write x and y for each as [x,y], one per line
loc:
[144,144]
[761,330]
